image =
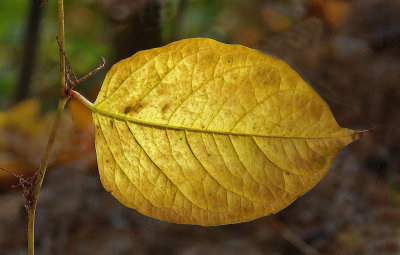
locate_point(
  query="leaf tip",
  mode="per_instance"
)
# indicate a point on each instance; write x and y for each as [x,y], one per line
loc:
[358,134]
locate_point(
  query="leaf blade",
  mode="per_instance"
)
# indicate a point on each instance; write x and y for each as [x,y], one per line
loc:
[205,133]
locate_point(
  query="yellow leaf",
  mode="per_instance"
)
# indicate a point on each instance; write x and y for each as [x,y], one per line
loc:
[207,133]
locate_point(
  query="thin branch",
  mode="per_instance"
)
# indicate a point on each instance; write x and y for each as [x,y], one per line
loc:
[68,68]
[60,5]
[12,173]
[69,71]
[25,183]
[67,83]
[84,78]
[41,173]
[43,165]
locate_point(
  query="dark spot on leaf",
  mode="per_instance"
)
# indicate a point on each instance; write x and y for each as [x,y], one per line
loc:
[107,161]
[180,138]
[287,173]
[209,154]
[127,109]
[138,108]
[229,61]
[165,107]
[112,123]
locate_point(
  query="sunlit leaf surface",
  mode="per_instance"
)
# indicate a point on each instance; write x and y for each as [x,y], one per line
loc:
[207,133]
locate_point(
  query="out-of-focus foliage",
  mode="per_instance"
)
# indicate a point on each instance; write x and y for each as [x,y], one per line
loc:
[333,12]
[23,137]
[87,38]
[185,19]
[11,30]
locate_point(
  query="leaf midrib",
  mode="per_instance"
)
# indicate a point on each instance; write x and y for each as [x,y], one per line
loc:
[168,126]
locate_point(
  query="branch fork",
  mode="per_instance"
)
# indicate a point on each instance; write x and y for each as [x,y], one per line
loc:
[71,79]
[26,184]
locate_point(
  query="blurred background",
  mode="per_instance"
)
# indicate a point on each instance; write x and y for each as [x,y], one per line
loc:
[348,50]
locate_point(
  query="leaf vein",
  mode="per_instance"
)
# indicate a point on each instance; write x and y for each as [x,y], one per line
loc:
[169,179]
[117,164]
